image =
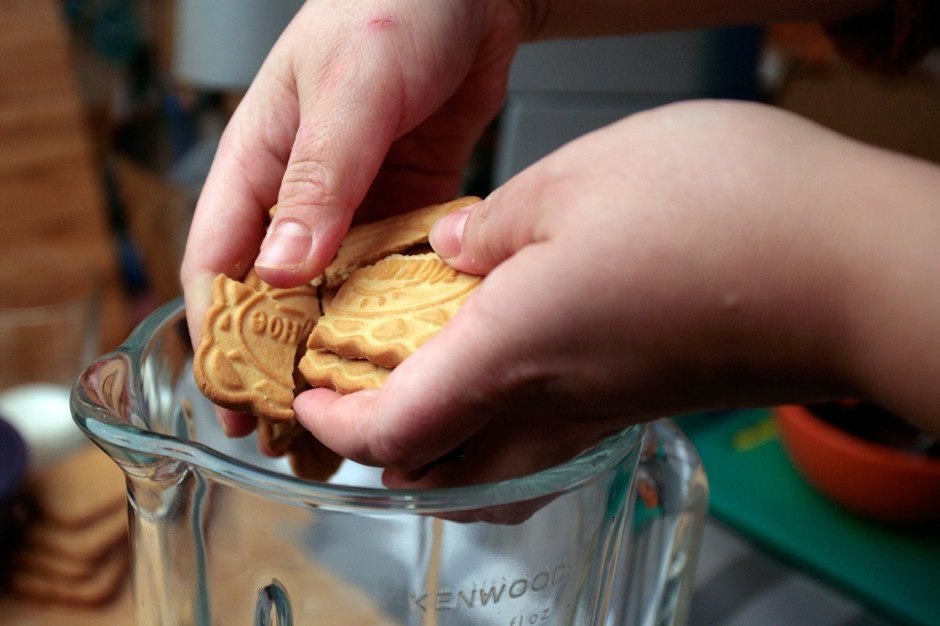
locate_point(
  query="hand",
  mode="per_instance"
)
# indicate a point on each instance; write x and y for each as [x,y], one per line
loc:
[356,107]
[689,257]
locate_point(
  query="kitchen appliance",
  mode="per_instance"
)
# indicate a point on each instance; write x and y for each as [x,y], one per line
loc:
[223,535]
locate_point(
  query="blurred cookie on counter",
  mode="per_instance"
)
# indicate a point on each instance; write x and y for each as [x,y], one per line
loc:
[72,545]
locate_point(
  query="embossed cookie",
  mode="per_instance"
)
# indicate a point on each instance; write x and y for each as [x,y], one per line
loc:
[384,312]
[248,352]
[322,368]
[367,243]
[303,297]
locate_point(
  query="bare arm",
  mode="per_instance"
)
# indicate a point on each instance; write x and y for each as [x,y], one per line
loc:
[891,246]
[700,255]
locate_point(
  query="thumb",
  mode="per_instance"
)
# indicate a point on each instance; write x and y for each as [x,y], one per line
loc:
[435,400]
[350,106]
[484,362]
[483,235]
[362,78]
[324,182]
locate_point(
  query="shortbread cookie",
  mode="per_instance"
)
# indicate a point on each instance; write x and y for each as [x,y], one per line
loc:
[54,565]
[323,368]
[303,297]
[78,490]
[367,243]
[312,460]
[99,586]
[248,352]
[86,544]
[384,312]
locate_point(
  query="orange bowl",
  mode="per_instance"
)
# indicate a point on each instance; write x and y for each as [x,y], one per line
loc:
[871,479]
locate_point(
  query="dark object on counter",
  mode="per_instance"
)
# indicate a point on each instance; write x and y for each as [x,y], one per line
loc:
[865,459]
[13,461]
[873,423]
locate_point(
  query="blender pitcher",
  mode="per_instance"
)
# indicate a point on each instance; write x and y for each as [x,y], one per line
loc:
[221,534]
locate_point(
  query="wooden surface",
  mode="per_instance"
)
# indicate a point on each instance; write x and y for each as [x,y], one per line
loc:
[50,190]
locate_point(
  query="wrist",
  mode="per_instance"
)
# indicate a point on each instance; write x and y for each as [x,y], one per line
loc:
[892,349]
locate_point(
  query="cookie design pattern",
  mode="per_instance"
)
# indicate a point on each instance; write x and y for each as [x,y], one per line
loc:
[322,368]
[367,243]
[384,312]
[303,297]
[247,356]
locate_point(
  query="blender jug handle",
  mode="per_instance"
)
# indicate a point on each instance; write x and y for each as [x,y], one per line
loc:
[656,576]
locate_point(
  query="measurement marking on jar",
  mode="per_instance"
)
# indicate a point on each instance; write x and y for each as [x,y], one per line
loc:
[538,617]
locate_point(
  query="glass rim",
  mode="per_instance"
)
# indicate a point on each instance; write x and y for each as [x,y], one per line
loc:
[118,432]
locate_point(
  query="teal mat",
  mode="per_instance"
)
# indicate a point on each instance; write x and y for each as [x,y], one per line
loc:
[755,490]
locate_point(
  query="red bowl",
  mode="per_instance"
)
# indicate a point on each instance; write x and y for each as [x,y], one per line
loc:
[873,480]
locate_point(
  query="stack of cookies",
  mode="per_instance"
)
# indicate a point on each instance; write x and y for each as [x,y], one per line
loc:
[384,294]
[74,546]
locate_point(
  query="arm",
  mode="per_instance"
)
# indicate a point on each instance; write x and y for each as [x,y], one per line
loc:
[700,255]
[366,108]
[892,256]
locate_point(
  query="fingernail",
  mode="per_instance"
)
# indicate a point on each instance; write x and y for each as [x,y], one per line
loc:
[447,234]
[286,245]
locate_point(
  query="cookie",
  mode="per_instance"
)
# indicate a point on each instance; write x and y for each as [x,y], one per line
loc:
[54,565]
[79,489]
[304,298]
[248,352]
[367,243]
[96,588]
[386,311]
[85,544]
[73,547]
[371,308]
[322,368]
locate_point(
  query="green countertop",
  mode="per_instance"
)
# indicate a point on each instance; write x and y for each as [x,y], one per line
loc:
[756,490]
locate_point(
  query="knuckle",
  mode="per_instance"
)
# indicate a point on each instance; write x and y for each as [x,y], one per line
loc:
[310,182]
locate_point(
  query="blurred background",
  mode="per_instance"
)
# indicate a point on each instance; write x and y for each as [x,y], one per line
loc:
[111,110]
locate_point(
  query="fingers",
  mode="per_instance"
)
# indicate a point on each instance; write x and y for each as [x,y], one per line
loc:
[231,212]
[325,180]
[426,408]
[511,447]
[482,236]
[383,428]
[514,445]
[234,423]
[309,134]
[488,356]
[375,76]
[344,81]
